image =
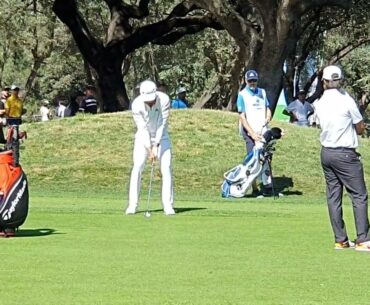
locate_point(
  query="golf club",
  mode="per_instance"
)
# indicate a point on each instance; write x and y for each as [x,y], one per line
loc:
[147,212]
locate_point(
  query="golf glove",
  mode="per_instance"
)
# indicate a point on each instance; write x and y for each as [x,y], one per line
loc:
[155,151]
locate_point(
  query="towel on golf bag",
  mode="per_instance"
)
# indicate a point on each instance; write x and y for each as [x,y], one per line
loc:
[239,179]
[13,192]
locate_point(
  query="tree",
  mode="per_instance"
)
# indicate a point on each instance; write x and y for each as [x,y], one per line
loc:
[270,30]
[123,38]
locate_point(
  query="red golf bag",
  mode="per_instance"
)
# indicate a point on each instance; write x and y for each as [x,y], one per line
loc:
[13,192]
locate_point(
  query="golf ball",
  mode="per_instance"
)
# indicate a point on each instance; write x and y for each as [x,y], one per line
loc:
[147,214]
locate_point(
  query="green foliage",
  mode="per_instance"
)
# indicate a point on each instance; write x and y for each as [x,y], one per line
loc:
[197,62]
[200,62]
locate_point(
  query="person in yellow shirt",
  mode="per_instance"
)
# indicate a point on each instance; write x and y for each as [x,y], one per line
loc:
[14,107]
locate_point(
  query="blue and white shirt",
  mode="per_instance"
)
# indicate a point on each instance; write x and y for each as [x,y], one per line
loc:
[254,104]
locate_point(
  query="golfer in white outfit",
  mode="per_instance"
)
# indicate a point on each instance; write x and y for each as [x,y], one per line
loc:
[150,111]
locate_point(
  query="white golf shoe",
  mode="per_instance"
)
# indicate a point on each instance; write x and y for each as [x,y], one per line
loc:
[169,211]
[365,246]
[130,210]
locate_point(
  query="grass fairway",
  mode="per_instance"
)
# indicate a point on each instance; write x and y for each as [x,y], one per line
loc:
[85,251]
[77,247]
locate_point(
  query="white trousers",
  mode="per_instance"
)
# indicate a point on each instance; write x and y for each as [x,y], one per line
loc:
[140,155]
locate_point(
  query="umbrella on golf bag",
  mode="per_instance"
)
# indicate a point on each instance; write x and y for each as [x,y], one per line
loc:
[239,179]
[13,193]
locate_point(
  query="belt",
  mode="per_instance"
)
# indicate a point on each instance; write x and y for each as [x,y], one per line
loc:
[340,148]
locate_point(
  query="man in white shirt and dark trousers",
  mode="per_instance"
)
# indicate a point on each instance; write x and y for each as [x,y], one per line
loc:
[254,115]
[341,122]
[150,111]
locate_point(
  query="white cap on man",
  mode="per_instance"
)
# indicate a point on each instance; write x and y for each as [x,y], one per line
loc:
[181,90]
[14,87]
[148,90]
[332,73]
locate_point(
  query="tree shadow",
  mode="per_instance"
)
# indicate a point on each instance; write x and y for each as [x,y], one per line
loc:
[35,232]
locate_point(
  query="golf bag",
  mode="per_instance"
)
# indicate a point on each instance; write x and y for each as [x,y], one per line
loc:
[239,179]
[13,192]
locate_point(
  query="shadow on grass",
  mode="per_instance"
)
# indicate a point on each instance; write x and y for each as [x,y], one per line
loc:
[35,232]
[282,183]
[184,210]
[177,210]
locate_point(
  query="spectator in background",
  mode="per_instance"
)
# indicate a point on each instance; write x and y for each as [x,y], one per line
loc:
[5,93]
[180,102]
[44,111]
[162,87]
[61,109]
[14,107]
[299,110]
[89,103]
[74,104]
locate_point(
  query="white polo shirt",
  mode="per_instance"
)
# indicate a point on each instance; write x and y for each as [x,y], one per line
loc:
[151,122]
[337,113]
[254,105]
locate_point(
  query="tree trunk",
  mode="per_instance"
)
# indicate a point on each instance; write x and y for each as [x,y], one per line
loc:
[33,74]
[111,86]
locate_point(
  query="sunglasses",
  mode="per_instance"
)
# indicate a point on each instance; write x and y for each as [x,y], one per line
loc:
[252,81]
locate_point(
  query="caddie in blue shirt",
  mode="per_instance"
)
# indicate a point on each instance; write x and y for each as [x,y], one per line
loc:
[254,112]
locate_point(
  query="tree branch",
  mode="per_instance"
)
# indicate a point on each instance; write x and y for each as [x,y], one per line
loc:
[168,31]
[67,12]
[130,11]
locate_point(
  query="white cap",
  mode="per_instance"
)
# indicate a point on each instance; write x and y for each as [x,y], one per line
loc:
[181,90]
[46,102]
[332,73]
[13,87]
[148,90]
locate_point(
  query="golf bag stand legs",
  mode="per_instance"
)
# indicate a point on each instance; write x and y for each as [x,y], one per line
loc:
[272,179]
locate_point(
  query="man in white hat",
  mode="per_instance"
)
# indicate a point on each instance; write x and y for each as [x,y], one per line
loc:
[341,122]
[150,111]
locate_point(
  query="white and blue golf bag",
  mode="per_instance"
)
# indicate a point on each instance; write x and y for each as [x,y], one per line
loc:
[256,164]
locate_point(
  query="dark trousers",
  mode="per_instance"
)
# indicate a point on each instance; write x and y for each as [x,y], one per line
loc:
[342,168]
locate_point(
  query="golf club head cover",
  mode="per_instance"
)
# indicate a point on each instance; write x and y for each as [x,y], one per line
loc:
[272,134]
